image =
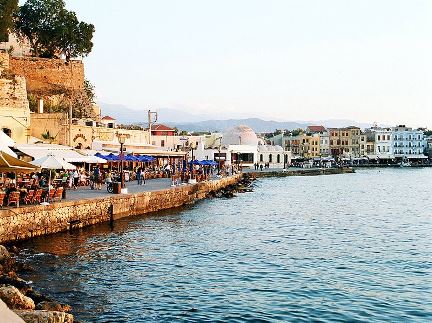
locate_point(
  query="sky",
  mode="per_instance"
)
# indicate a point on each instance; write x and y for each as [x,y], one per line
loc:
[365,60]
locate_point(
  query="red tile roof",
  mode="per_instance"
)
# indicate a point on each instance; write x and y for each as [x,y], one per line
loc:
[108,118]
[317,128]
[161,127]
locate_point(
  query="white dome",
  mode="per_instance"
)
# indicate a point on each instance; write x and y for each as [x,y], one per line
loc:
[279,148]
[262,148]
[240,135]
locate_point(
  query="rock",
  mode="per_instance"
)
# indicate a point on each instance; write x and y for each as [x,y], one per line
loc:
[37,297]
[53,306]
[14,299]
[6,315]
[14,250]
[45,316]
[4,254]
[19,283]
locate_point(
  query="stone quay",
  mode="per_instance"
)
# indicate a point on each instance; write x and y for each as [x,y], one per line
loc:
[37,220]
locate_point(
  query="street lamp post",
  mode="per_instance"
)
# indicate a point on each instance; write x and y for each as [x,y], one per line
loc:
[219,153]
[121,139]
[192,147]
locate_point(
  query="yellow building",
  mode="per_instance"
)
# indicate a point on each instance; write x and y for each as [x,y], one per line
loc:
[310,145]
[348,142]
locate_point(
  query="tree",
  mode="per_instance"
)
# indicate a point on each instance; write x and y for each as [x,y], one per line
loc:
[89,90]
[72,37]
[7,11]
[37,21]
[52,30]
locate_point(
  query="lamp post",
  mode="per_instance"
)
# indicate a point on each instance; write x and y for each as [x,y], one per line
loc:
[219,153]
[121,139]
[192,147]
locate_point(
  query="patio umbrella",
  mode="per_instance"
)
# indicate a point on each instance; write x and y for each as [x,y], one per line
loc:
[52,162]
[9,163]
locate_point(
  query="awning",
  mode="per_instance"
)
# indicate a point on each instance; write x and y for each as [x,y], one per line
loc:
[5,143]
[62,152]
[11,164]
[5,140]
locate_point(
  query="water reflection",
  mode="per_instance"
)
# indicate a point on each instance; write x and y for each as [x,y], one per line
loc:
[348,247]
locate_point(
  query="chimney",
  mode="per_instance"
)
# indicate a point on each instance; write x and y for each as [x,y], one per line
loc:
[40,106]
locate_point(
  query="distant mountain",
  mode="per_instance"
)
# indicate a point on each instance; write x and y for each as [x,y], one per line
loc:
[127,115]
[259,125]
[202,123]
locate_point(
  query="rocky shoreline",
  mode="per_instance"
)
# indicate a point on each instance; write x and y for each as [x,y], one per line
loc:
[18,295]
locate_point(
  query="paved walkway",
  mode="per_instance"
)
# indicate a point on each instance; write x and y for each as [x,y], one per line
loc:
[85,192]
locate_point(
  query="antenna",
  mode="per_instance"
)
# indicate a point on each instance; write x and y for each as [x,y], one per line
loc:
[152,118]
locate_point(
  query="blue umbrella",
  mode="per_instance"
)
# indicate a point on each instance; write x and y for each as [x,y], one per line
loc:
[112,157]
[195,162]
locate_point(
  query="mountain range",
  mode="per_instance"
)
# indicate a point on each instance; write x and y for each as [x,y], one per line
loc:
[203,123]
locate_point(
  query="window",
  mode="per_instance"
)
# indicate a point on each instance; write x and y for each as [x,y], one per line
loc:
[261,158]
[162,143]
[270,158]
[7,131]
[278,159]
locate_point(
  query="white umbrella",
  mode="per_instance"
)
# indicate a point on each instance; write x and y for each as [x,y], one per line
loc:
[52,162]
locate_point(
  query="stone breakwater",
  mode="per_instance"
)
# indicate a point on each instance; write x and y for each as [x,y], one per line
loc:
[303,172]
[32,221]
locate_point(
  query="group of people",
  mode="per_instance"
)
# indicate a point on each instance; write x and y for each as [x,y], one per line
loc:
[260,166]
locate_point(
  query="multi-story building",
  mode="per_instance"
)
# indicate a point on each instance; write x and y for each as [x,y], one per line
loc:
[348,142]
[310,145]
[383,140]
[408,142]
[294,144]
[324,140]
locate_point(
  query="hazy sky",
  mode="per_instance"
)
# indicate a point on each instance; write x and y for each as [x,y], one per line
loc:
[287,59]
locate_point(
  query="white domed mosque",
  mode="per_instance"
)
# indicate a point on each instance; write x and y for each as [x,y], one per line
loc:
[241,145]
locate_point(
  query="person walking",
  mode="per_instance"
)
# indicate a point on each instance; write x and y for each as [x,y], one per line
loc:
[139,176]
[97,178]
[76,176]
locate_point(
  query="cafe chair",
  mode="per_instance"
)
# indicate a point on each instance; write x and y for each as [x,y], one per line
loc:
[58,194]
[14,198]
[28,199]
[37,198]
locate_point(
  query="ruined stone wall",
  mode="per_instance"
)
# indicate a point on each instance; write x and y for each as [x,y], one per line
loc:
[32,221]
[46,76]
[14,106]
[4,61]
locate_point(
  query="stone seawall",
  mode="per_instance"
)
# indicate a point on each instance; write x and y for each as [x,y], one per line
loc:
[303,172]
[32,221]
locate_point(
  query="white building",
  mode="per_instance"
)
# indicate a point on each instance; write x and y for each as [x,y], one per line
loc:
[408,142]
[241,145]
[397,143]
[383,142]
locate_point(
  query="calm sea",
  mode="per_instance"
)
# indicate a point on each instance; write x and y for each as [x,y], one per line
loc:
[339,248]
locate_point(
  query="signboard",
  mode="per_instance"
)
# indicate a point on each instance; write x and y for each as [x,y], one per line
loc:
[184,139]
